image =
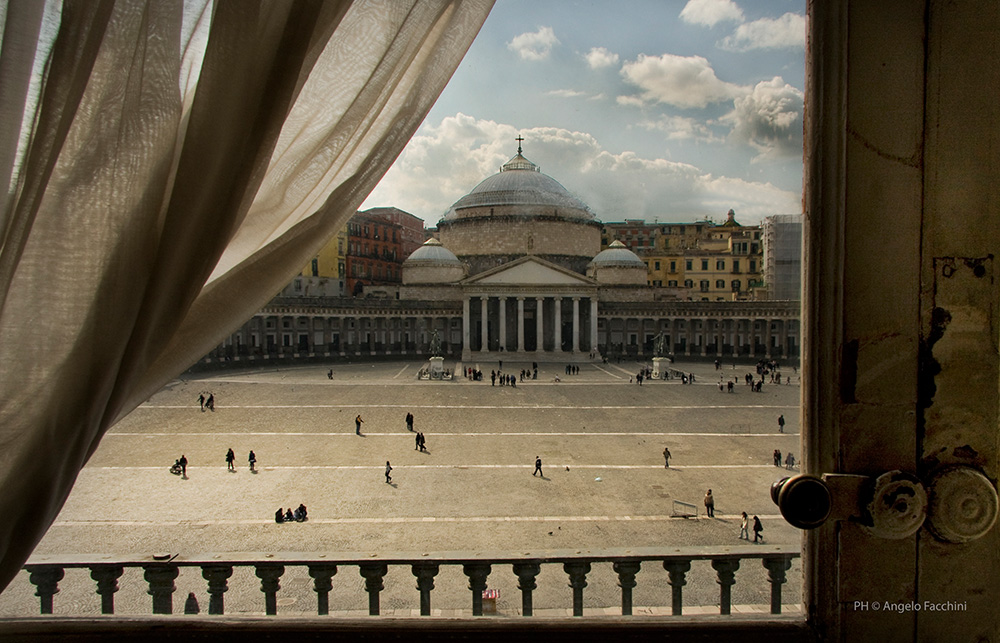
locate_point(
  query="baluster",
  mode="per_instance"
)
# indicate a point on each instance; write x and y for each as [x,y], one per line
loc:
[425,573]
[677,570]
[373,575]
[161,586]
[477,573]
[107,584]
[577,580]
[626,569]
[270,575]
[526,573]
[726,570]
[776,568]
[321,575]
[46,579]
[217,577]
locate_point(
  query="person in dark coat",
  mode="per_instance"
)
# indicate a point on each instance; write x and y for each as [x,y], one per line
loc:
[538,467]
[184,466]
[388,468]
[230,460]
[757,528]
[279,517]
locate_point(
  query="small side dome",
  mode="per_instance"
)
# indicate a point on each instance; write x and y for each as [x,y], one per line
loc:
[432,252]
[432,263]
[618,265]
[617,254]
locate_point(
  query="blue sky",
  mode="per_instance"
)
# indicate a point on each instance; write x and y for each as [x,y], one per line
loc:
[661,110]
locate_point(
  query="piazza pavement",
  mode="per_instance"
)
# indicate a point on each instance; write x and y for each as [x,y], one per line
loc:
[600,437]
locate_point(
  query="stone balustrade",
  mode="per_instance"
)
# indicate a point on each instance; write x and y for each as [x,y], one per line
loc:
[160,572]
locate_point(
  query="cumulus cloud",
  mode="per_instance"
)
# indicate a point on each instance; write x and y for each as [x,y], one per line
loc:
[565,93]
[788,31]
[534,45]
[682,81]
[679,128]
[599,58]
[711,12]
[441,164]
[770,119]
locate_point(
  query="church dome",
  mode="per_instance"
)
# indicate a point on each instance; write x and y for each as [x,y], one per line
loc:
[617,265]
[618,255]
[520,188]
[432,252]
[432,263]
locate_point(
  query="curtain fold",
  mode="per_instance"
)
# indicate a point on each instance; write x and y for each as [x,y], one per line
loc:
[171,184]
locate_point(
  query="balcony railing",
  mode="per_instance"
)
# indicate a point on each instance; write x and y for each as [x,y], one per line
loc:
[160,572]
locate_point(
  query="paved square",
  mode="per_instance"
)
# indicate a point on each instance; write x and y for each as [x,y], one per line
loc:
[600,439]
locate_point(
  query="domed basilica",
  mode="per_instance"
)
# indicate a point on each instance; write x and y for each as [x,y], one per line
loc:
[516,272]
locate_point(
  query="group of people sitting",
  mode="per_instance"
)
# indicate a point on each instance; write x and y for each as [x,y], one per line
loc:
[299,515]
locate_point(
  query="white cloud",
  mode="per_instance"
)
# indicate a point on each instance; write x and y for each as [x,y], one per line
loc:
[678,128]
[599,58]
[682,81]
[441,164]
[565,93]
[770,119]
[788,31]
[534,45]
[711,12]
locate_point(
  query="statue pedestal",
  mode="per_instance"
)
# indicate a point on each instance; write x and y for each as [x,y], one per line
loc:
[661,366]
[436,367]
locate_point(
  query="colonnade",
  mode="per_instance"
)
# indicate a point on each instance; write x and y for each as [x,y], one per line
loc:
[528,323]
[728,336]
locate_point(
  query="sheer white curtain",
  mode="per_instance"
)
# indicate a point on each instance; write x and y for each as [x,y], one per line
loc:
[170,165]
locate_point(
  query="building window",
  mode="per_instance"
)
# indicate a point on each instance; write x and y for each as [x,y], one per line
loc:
[673,266]
[688,264]
[657,265]
[736,265]
[689,283]
[672,283]
[720,283]
[736,285]
[720,264]
[704,285]
[315,267]
[704,264]
[753,266]
[658,283]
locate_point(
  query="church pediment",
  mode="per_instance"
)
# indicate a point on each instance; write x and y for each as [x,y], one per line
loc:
[528,271]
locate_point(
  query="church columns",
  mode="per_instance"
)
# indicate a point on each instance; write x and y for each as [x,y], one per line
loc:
[520,323]
[466,325]
[557,326]
[484,328]
[593,324]
[539,326]
[576,324]
[502,301]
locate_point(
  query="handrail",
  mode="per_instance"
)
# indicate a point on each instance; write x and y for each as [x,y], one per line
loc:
[45,572]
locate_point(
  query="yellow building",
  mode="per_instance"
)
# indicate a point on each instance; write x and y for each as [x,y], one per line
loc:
[697,261]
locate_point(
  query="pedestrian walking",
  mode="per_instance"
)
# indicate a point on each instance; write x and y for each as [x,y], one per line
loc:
[789,460]
[777,458]
[666,457]
[201,401]
[388,468]
[357,424]
[252,458]
[422,442]
[781,424]
[757,528]
[210,402]
[710,504]
[538,467]
[184,466]
[230,460]
[191,604]
[409,421]
[416,442]
[744,524]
